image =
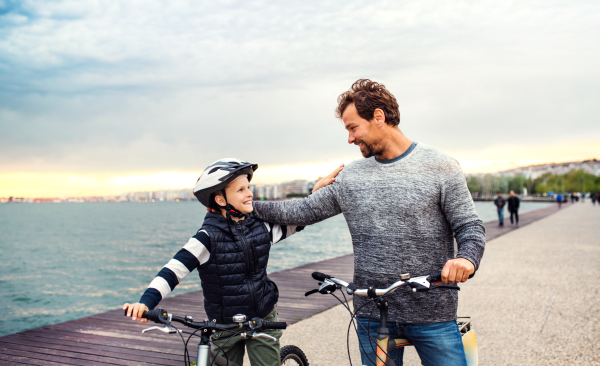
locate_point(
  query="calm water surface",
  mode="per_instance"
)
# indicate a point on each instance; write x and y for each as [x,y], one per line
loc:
[64,261]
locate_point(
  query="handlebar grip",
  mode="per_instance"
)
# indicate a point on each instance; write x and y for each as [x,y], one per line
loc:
[274,325]
[320,276]
[154,315]
[437,276]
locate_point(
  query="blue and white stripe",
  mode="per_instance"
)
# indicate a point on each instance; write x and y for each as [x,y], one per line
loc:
[280,232]
[194,253]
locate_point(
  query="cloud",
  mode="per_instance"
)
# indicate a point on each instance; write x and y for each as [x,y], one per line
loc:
[163,86]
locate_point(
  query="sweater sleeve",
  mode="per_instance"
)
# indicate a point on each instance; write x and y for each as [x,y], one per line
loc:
[194,253]
[459,209]
[319,206]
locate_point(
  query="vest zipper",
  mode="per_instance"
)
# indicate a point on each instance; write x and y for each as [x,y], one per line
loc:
[248,270]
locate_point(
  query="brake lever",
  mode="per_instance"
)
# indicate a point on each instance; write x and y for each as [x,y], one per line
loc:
[166,329]
[311,292]
[253,335]
[421,283]
[327,286]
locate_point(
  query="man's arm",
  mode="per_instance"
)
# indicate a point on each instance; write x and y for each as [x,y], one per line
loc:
[319,206]
[468,229]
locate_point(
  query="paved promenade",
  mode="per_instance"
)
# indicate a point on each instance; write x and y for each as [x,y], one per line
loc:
[535,300]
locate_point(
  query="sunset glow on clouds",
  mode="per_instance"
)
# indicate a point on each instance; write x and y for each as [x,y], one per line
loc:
[112,96]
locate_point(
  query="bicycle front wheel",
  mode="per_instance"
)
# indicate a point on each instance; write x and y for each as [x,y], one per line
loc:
[293,356]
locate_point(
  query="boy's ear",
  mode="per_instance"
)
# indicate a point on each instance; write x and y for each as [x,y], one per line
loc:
[220,200]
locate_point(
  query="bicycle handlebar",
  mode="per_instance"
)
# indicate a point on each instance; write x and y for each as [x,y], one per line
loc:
[418,283]
[274,325]
[163,317]
[320,276]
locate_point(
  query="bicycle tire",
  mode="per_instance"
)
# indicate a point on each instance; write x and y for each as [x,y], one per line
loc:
[292,355]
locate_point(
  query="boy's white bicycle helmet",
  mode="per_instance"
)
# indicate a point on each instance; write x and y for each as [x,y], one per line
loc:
[218,175]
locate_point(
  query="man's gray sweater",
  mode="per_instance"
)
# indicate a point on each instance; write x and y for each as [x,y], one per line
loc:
[402,214]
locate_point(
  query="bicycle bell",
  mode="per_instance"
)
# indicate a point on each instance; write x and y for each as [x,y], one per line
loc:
[239,318]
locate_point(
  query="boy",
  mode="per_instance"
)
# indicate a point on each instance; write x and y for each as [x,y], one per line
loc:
[231,252]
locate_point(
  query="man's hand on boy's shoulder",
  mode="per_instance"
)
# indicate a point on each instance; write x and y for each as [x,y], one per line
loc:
[327,180]
[135,311]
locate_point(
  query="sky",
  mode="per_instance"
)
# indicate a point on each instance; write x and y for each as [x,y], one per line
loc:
[104,97]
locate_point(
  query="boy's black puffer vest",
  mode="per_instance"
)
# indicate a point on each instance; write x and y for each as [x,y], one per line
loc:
[234,280]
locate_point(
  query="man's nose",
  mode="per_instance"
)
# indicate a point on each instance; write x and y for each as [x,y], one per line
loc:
[351,138]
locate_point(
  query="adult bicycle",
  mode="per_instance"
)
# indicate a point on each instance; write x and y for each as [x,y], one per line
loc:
[385,345]
[206,356]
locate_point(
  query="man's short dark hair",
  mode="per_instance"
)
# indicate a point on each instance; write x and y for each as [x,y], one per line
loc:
[368,96]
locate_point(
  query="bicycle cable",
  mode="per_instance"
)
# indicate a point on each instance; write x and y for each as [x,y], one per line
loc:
[184,343]
[221,349]
[352,321]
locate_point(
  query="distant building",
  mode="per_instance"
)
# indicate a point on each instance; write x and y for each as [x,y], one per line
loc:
[534,171]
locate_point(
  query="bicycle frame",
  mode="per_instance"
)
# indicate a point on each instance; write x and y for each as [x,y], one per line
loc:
[385,345]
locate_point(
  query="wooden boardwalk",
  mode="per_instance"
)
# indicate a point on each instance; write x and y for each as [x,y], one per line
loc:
[111,339]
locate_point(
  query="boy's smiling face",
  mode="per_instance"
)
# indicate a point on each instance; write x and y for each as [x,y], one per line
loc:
[238,195]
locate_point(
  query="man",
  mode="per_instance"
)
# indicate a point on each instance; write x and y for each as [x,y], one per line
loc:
[404,205]
[500,202]
[513,207]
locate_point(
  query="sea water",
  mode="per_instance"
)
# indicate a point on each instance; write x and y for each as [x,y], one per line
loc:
[63,261]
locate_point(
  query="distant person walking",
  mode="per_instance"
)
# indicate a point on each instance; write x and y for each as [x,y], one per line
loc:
[593,197]
[559,200]
[500,202]
[513,207]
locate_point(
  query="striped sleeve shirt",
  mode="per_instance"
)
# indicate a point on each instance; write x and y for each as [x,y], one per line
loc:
[193,254]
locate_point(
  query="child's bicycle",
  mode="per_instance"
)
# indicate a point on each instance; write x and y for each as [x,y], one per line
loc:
[290,355]
[385,345]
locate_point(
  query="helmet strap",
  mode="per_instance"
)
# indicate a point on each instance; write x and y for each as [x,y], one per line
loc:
[231,211]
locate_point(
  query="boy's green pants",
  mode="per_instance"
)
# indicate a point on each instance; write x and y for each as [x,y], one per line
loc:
[261,351]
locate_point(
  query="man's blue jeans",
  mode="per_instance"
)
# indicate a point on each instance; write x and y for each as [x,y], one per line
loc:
[501,215]
[438,344]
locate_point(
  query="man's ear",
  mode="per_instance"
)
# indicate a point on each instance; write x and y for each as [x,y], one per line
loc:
[379,117]
[220,200]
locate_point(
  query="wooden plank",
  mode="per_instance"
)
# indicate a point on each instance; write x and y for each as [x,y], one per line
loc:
[72,358]
[141,345]
[493,230]
[50,358]
[122,353]
[7,360]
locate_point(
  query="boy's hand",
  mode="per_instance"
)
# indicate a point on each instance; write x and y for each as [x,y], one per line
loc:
[324,182]
[135,311]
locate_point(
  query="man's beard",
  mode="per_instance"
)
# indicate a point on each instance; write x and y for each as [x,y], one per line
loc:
[371,150]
